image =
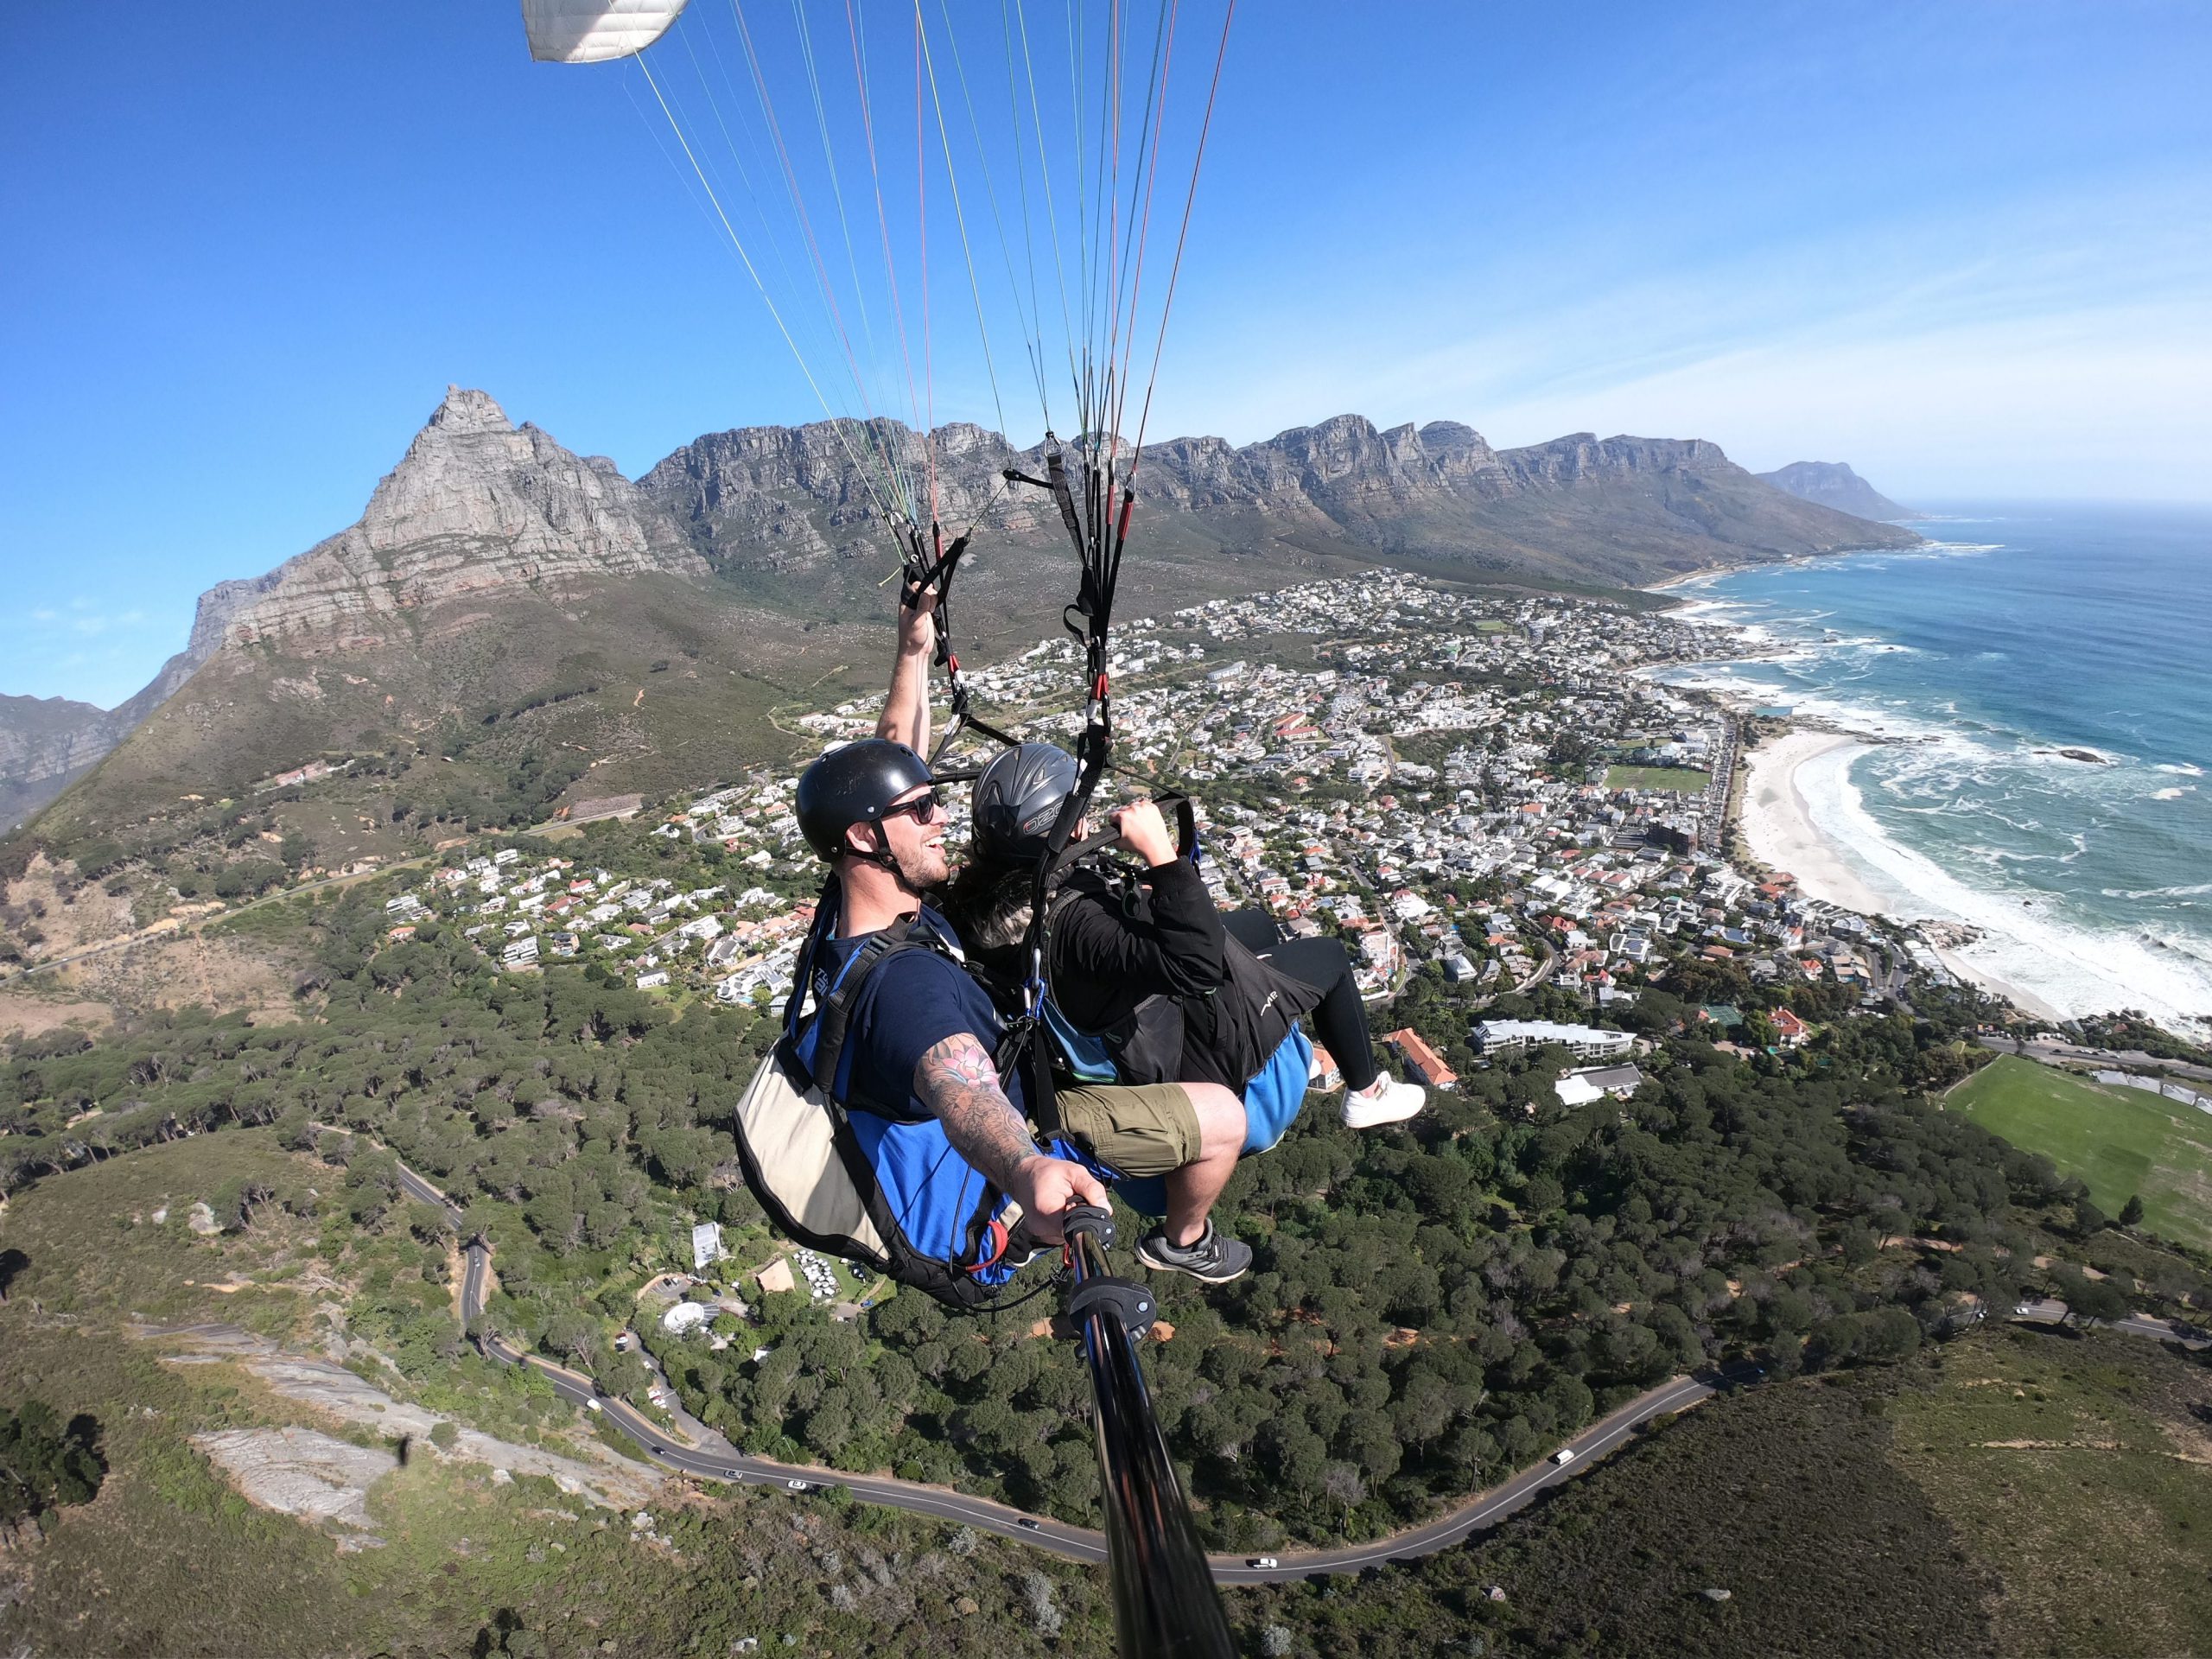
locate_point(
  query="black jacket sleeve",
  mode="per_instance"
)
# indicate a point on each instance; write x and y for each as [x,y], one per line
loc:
[1105,962]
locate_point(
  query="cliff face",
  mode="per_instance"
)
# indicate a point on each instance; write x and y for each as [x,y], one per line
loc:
[474,506]
[1621,509]
[778,496]
[1833,484]
[44,742]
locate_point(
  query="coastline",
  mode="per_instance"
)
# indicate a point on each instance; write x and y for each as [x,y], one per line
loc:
[1776,821]
[2058,858]
[1777,828]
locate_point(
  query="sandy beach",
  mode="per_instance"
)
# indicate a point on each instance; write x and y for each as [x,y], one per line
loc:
[1778,828]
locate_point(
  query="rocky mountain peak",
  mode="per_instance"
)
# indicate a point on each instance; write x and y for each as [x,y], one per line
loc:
[467,410]
[474,504]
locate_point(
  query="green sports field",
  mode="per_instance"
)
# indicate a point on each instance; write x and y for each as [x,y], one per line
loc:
[1683,779]
[2124,1142]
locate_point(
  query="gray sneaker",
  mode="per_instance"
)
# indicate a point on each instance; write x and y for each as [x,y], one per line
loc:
[1214,1258]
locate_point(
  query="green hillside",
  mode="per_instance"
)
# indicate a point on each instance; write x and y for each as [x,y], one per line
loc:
[2018,1491]
[2123,1142]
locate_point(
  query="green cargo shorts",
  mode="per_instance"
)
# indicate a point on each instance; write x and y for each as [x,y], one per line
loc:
[1140,1129]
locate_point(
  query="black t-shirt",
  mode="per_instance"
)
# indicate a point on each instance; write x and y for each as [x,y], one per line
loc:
[911,1003]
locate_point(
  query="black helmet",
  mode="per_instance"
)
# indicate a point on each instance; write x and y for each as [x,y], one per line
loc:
[1017,797]
[853,784]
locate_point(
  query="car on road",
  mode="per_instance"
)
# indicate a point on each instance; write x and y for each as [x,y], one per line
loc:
[733,1474]
[799,1486]
[1026,1521]
[591,1405]
[1564,1456]
[1263,1560]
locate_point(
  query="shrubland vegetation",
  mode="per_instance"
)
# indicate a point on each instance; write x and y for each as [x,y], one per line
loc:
[168,1558]
[46,1462]
[2021,1492]
[1430,1309]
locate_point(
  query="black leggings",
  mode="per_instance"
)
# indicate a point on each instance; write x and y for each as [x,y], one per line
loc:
[1324,964]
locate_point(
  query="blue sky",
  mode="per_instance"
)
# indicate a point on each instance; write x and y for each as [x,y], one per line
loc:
[1967,247]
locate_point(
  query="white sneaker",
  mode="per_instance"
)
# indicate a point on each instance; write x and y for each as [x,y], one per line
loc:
[1384,1102]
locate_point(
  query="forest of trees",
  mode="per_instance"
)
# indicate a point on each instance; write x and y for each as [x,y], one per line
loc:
[1429,1309]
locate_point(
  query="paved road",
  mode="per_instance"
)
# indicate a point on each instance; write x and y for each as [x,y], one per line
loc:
[2046,1311]
[1479,1513]
[1486,1509]
[1078,1543]
[1712,813]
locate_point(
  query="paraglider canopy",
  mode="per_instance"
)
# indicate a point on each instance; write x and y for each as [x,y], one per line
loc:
[592,31]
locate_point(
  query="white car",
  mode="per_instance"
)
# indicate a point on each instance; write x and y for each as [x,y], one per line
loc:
[798,1485]
[591,1405]
[1263,1560]
[1564,1456]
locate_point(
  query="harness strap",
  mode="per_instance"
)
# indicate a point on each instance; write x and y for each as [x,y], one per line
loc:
[836,1011]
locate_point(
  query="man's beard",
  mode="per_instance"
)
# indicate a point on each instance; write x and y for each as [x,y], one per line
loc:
[922,869]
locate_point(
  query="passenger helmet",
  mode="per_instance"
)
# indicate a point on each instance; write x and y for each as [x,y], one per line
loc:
[1017,797]
[853,784]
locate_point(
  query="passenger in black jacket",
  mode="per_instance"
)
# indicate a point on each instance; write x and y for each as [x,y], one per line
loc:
[1139,959]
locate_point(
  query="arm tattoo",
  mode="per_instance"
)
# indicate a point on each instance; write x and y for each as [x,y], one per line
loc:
[957,1081]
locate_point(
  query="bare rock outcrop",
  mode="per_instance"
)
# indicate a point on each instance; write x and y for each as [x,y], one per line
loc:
[606,1480]
[1621,508]
[482,522]
[475,505]
[301,1472]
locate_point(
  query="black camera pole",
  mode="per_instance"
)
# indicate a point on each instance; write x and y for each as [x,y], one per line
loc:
[1164,1603]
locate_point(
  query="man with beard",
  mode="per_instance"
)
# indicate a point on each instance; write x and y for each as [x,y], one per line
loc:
[922,1032]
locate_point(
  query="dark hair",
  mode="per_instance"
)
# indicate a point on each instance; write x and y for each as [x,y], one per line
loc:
[988,902]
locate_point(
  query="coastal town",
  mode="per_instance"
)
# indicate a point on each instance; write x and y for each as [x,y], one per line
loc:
[1486,791]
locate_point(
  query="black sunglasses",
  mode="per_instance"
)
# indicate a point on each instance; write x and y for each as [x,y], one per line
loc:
[925,805]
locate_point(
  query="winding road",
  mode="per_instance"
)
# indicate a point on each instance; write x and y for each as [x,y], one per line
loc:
[1078,1543]
[1483,1510]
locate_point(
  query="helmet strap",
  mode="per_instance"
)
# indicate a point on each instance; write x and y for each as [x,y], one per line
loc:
[882,857]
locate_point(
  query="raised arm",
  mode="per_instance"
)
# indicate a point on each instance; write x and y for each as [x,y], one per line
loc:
[958,1082]
[906,717]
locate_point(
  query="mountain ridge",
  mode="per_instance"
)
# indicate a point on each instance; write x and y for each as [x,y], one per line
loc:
[493,568]
[780,496]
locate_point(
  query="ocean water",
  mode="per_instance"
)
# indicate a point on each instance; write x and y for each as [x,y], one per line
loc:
[2019,633]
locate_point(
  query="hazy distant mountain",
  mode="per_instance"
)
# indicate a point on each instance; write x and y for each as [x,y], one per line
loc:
[522,611]
[47,743]
[44,742]
[1833,484]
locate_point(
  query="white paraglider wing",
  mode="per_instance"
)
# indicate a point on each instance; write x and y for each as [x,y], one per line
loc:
[592,31]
